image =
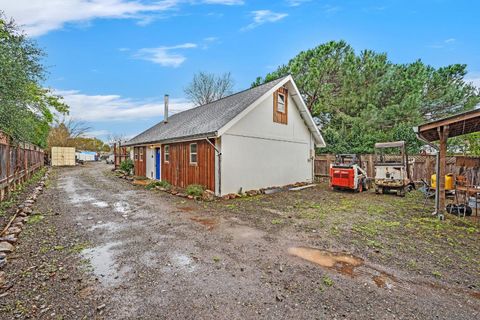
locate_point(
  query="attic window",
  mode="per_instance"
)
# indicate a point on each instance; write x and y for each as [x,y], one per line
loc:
[166,153]
[280,106]
[281,103]
[193,153]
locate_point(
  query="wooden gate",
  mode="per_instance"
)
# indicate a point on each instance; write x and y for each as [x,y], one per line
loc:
[140,157]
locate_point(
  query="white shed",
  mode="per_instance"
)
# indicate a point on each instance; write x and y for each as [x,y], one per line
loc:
[62,156]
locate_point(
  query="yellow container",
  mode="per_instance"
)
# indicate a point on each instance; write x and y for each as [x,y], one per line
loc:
[448,181]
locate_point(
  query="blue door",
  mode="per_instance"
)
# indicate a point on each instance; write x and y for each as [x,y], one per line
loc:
[157,163]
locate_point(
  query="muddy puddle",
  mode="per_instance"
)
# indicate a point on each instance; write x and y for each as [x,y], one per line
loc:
[102,260]
[342,263]
[208,223]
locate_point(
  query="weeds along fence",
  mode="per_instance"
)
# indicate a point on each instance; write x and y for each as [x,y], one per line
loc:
[18,162]
[423,166]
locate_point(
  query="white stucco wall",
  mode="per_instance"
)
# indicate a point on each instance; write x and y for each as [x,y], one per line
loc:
[259,153]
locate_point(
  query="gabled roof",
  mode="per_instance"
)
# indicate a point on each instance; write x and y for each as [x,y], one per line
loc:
[207,120]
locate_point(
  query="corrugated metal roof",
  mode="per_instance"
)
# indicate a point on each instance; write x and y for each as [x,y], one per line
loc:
[203,120]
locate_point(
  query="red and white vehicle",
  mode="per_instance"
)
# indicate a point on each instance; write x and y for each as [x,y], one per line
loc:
[347,174]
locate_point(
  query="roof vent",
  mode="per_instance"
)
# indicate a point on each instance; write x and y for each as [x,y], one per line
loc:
[165,112]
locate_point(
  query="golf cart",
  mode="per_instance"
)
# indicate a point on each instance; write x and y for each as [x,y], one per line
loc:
[347,174]
[393,170]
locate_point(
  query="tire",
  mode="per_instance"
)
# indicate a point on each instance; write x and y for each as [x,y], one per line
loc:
[365,184]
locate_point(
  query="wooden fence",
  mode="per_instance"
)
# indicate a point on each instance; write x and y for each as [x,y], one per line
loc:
[423,166]
[17,163]
[120,154]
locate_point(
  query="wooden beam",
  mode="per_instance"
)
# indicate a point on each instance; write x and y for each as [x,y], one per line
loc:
[448,121]
[443,134]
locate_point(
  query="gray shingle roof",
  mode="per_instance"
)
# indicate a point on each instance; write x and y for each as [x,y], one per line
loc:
[203,120]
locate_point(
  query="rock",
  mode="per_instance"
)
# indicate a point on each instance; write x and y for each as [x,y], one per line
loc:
[89,218]
[18,225]
[9,238]
[208,195]
[19,219]
[3,262]
[226,197]
[190,197]
[30,201]
[183,195]
[3,281]
[14,230]
[28,210]
[6,247]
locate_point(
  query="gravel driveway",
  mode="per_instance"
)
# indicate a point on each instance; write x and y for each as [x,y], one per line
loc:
[155,256]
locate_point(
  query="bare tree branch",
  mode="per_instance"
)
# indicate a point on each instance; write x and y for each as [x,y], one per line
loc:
[208,87]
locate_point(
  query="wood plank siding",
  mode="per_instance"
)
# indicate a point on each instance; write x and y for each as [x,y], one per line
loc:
[280,116]
[180,172]
[140,161]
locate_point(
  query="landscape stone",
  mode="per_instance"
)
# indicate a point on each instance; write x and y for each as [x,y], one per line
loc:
[6,247]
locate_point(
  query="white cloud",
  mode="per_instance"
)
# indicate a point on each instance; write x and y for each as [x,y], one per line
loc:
[263,16]
[443,44]
[329,9]
[103,108]
[296,3]
[475,80]
[225,2]
[39,17]
[165,56]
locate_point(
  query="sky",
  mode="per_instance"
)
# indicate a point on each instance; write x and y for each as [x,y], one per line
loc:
[113,60]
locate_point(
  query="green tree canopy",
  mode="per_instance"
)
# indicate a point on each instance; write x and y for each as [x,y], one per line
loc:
[26,108]
[364,98]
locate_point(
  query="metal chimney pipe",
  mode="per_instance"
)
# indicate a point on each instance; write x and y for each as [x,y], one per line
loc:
[165,112]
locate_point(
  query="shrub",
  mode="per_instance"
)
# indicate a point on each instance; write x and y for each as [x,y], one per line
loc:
[127,166]
[162,184]
[195,190]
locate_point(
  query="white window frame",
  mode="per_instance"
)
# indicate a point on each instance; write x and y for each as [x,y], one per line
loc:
[283,104]
[194,163]
[166,153]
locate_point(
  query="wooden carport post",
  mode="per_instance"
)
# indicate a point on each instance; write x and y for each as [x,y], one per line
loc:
[443,135]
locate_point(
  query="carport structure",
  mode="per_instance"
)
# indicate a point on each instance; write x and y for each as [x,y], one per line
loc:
[441,130]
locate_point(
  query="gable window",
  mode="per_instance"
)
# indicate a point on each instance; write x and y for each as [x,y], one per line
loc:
[193,153]
[280,106]
[166,153]
[281,103]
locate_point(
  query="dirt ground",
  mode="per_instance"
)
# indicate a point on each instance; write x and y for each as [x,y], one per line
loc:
[100,248]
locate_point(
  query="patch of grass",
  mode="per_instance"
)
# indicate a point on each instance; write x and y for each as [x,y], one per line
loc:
[35,218]
[161,184]
[277,221]
[436,274]
[58,248]
[216,259]
[79,247]
[195,190]
[326,280]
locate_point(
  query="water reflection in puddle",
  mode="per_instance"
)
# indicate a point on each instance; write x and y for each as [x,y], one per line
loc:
[343,263]
[121,207]
[100,204]
[102,260]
